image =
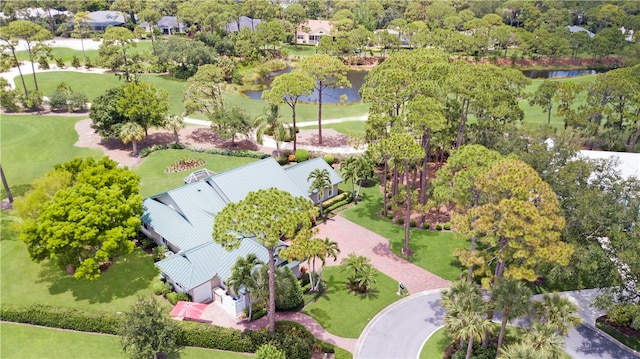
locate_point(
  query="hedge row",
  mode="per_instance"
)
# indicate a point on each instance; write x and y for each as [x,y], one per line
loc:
[65,318]
[293,338]
[341,199]
[212,151]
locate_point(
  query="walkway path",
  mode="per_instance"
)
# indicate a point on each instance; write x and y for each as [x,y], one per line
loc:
[351,238]
[401,329]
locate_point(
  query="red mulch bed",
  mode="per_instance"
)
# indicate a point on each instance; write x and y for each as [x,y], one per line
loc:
[626,331]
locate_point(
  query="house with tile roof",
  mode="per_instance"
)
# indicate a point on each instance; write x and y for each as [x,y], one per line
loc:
[182,219]
[311,31]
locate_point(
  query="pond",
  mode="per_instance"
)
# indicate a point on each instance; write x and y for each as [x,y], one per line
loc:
[551,74]
[329,95]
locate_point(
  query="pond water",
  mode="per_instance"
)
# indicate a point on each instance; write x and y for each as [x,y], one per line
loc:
[329,95]
[548,74]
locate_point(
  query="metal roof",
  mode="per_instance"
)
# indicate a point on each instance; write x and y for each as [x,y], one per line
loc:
[198,265]
[300,172]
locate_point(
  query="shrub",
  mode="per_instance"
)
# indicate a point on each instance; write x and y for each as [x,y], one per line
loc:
[65,318]
[269,351]
[447,226]
[291,157]
[212,151]
[158,253]
[438,227]
[43,63]
[412,223]
[257,314]
[623,314]
[87,64]
[215,337]
[337,201]
[291,297]
[389,215]
[175,297]
[302,155]
[8,98]
[426,225]
[75,62]
[328,158]
[304,279]
[60,63]
[161,288]
[33,101]
[77,102]
[282,160]
[58,100]
[400,220]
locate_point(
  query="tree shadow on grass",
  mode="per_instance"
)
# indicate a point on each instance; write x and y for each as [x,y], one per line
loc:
[125,277]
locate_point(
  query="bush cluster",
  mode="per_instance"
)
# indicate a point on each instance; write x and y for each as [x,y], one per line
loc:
[65,318]
[624,315]
[347,199]
[329,159]
[426,225]
[212,151]
[344,196]
[302,155]
[175,297]
[292,338]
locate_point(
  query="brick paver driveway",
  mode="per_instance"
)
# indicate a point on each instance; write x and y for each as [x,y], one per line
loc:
[353,238]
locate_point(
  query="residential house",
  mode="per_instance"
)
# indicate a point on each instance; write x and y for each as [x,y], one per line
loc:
[100,20]
[242,21]
[311,31]
[168,25]
[182,219]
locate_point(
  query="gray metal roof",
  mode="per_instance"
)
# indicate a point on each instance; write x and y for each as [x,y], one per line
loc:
[300,172]
[235,184]
[106,18]
[197,265]
[244,22]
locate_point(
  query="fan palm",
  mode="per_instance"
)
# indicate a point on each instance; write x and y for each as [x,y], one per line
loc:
[544,339]
[132,132]
[320,184]
[270,122]
[174,123]
[520,351]
[242,276]
[558,312]
[327,249]
[512,298]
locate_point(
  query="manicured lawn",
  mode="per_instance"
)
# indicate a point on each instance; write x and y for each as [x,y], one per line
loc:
[24,282]
[155,181]
[343,313]
[436,345]
[433,250]
[32,144]
[351,128]
[21,341]
[67,53]
[299,51]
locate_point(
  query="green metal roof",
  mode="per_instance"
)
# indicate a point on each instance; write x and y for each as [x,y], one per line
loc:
[197,265]
[300,172]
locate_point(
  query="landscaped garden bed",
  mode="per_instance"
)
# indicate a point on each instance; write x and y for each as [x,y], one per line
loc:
[624,334]
[185,164]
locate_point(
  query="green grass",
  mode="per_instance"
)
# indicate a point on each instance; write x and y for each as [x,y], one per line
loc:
[155,181]
[22,341]
[433,250]
[343,313]
[633,343]
[67,54]
[351,128]
[300,50]
[436,345]
[24,282]
[30,145]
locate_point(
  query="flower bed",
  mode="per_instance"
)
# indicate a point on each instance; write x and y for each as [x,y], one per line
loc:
[184,164]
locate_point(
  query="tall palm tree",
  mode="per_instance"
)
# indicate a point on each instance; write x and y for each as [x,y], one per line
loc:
[348,172]
[242,276]
[465,318]
[327,249]
[174,123]
[270,122]
[132,132]
[512,298]
[558,312]
[320,183]
[545,339]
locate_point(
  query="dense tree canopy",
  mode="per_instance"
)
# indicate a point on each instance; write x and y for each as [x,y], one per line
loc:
[82,215]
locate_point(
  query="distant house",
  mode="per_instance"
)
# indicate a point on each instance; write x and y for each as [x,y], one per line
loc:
[311,31]
[38,12]
[243,21]
[100,20]
[574,29]
[168,25]
[182,219]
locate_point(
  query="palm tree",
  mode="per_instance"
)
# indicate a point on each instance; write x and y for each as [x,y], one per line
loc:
[544,338]
[174,123]
[558,312]
[320,183]
[360,272]
[520,351]
[366,279]
[242,276]
[347,170]
[132,132]
[465,318]
[512,298]
[270,122]
[364,169]
[327,248]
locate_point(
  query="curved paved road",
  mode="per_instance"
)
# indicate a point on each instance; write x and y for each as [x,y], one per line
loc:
[400,330]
